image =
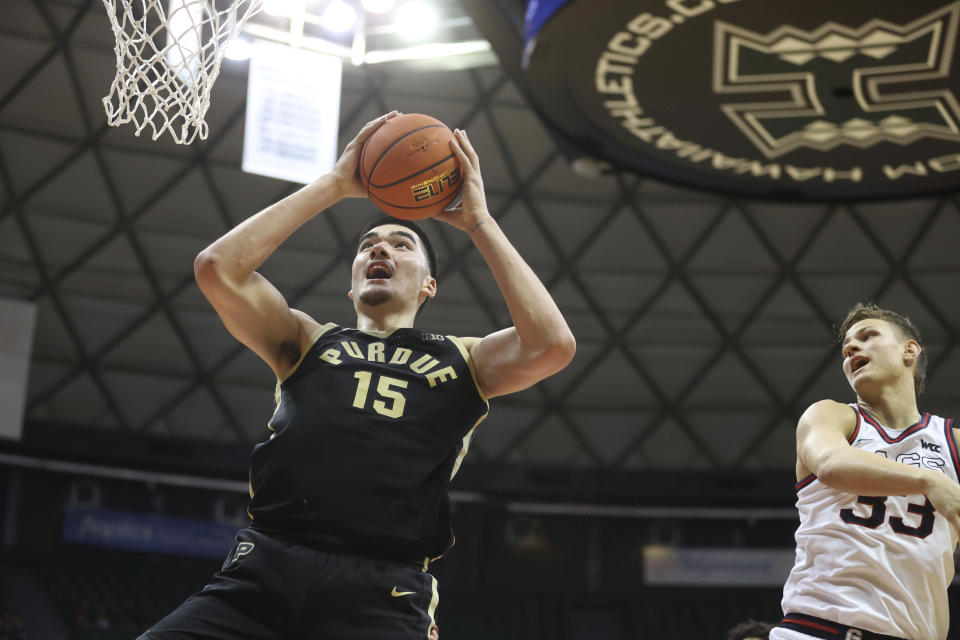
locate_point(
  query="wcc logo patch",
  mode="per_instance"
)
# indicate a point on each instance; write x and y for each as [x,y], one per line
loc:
[787,99]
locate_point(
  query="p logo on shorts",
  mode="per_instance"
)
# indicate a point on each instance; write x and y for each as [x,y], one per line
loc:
[242,549]
[853,634]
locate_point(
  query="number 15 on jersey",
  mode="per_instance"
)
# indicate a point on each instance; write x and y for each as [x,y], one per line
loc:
[391,402]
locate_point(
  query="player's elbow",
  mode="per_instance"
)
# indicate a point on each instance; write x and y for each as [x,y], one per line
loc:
[559,352]
[826,473]
[833,477]
[207,271]
[829,468]
[566,346]
[204,266]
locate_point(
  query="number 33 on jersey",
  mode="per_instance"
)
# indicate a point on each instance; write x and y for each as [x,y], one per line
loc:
[846,543]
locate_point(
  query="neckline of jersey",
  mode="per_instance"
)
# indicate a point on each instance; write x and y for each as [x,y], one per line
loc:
[380,334]
[901,433]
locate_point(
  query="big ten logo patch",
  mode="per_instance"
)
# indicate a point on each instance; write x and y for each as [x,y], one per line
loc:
[853,634]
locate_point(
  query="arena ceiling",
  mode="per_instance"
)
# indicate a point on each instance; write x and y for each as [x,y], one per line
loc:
[703,321]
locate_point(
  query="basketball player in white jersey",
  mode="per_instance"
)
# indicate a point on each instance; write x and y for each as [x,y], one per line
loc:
[878,497]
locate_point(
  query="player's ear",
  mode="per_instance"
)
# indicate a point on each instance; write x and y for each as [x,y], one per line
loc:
[911,351]
[350,294]
[429,286]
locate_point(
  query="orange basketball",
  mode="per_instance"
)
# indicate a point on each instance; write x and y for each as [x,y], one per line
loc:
[408,169]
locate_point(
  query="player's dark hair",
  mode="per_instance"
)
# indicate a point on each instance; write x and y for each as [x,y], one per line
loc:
[750,629]
[424,242]
[903,324]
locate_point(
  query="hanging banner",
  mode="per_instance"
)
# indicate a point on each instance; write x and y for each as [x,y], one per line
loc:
[17,319]
[293,113]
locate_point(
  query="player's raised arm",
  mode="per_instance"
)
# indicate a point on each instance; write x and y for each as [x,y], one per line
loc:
[251,308]
[823,449]
[540,342]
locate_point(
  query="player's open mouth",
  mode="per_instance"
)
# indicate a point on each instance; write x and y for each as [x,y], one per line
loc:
[857,363]
[378,271]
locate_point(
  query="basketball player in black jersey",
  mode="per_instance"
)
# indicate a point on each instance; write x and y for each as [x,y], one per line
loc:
[349,493]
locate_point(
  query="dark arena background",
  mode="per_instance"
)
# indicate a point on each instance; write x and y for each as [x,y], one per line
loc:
[704,186]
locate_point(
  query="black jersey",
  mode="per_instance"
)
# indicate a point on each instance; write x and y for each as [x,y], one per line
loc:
[367,434]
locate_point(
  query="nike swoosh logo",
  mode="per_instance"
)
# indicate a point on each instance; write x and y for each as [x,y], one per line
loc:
[398,594]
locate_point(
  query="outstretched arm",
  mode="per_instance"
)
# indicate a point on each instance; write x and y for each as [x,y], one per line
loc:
[251,308]
[822,449]
[539,343]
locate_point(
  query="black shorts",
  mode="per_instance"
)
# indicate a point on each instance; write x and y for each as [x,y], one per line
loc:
[273,589]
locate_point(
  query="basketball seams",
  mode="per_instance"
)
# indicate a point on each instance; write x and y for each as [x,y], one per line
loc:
[383,153]
[405,178]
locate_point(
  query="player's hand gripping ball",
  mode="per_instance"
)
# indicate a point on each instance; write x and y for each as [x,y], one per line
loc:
[408,169]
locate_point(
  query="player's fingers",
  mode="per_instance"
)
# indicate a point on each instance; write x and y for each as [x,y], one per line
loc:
[465,164]
[468,148]
[375,124]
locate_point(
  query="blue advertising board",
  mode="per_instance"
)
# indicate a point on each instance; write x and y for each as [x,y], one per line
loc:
[147,532]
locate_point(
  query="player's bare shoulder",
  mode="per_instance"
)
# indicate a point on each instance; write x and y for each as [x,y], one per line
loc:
[829,414]
[822,422]
[470,342]
[308,325]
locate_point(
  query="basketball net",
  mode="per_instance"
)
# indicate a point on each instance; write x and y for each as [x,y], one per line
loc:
[168,60]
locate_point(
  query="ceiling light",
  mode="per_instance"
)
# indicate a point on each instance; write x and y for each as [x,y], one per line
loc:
[416,20]
[339,16]
[378,6]
[434,51]
[238,49]
[284,8]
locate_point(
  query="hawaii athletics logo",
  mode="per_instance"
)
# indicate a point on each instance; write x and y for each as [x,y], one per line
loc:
[810,99]
[883,63]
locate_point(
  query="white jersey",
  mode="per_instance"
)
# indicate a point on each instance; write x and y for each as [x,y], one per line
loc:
[881,564]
